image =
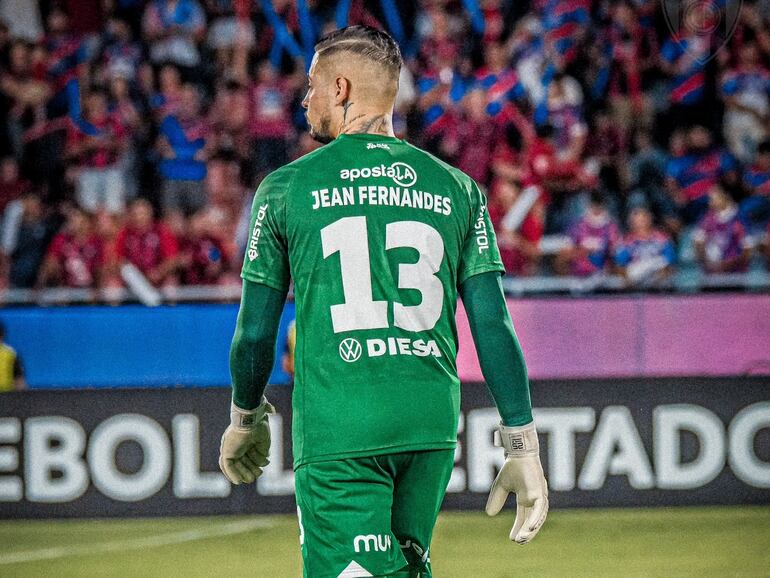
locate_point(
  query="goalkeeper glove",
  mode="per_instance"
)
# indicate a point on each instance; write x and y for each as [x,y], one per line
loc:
[521,474]
[246,443]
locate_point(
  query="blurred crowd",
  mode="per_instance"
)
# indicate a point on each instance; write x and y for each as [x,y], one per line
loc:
[135,131]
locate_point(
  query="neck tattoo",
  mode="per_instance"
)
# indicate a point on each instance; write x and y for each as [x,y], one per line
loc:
[345,108]
[378,124]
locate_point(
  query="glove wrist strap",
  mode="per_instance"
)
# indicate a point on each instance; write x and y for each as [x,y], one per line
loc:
[247,419]
[518,441]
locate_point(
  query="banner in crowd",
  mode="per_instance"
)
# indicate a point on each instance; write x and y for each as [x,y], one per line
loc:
[604,443]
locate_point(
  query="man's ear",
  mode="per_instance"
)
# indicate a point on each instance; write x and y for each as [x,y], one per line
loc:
[341,90]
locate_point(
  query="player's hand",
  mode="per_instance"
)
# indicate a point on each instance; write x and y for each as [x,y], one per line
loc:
[521,474]
[245,444]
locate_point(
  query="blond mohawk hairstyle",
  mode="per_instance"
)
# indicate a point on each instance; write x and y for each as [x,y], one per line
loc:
[365,41]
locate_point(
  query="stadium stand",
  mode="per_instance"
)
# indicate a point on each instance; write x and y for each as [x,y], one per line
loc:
[617,152]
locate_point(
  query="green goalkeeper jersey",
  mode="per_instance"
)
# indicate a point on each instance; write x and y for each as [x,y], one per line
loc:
[377,235]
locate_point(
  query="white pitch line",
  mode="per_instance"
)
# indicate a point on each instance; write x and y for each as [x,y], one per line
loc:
[134,543]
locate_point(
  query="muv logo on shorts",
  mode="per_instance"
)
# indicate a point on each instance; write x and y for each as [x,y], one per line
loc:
[378,543]
[401,173]
[350,350]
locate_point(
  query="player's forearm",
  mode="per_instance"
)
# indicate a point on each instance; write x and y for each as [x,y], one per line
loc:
[253,348]
[500,356]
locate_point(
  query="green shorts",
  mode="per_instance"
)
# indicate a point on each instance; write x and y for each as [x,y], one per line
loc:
[371,516]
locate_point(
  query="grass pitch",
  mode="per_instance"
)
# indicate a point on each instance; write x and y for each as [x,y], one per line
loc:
[698,542]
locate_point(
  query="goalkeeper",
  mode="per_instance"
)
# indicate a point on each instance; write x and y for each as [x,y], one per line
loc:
[379,238]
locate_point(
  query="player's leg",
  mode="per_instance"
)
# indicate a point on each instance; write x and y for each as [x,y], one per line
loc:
[345,517]
[421,480]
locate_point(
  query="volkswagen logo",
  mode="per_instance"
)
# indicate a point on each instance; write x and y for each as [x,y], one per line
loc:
[350,350]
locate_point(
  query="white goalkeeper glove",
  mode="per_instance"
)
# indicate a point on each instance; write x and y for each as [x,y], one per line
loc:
[523,475]
[245,444]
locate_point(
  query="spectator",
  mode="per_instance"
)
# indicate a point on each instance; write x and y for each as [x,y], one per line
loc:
[106,228]
[166,101]
[647,165]
[689,178]
[469,137]
[202,255]
[25,93]
[405,100]
[230,119]
[173,28]
[230,26]
[495,20]
[12,184]
[66,58]
[565,115]
[566,23]
[182,145]
[508,158]
[746,91]
[527,51]
[11,370]
[76,255]
[499,80]
[683,58]
[518,219]
[645,254]
[270,124]
[720,239]
[607,146]
[444,78]
[120,54]
[123,104]
[592,241]
[26,234]
[755,209]
[440,33]
[226,184]
[626,49]
[127,109]
[644,178]
[148,245]
[23,18]
[559,178]
[95,146]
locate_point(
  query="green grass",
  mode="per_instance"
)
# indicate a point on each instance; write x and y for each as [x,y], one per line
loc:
[698,542]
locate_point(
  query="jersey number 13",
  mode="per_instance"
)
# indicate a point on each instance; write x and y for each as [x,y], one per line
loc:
[349,238]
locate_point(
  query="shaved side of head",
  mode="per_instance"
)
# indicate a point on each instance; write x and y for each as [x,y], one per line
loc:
[352,83]
[363,53]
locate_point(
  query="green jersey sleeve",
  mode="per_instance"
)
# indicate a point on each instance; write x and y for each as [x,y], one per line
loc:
[266,260]
[480,253]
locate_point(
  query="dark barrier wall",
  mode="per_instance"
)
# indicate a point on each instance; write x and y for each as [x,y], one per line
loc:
[605,443]
[562,339]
